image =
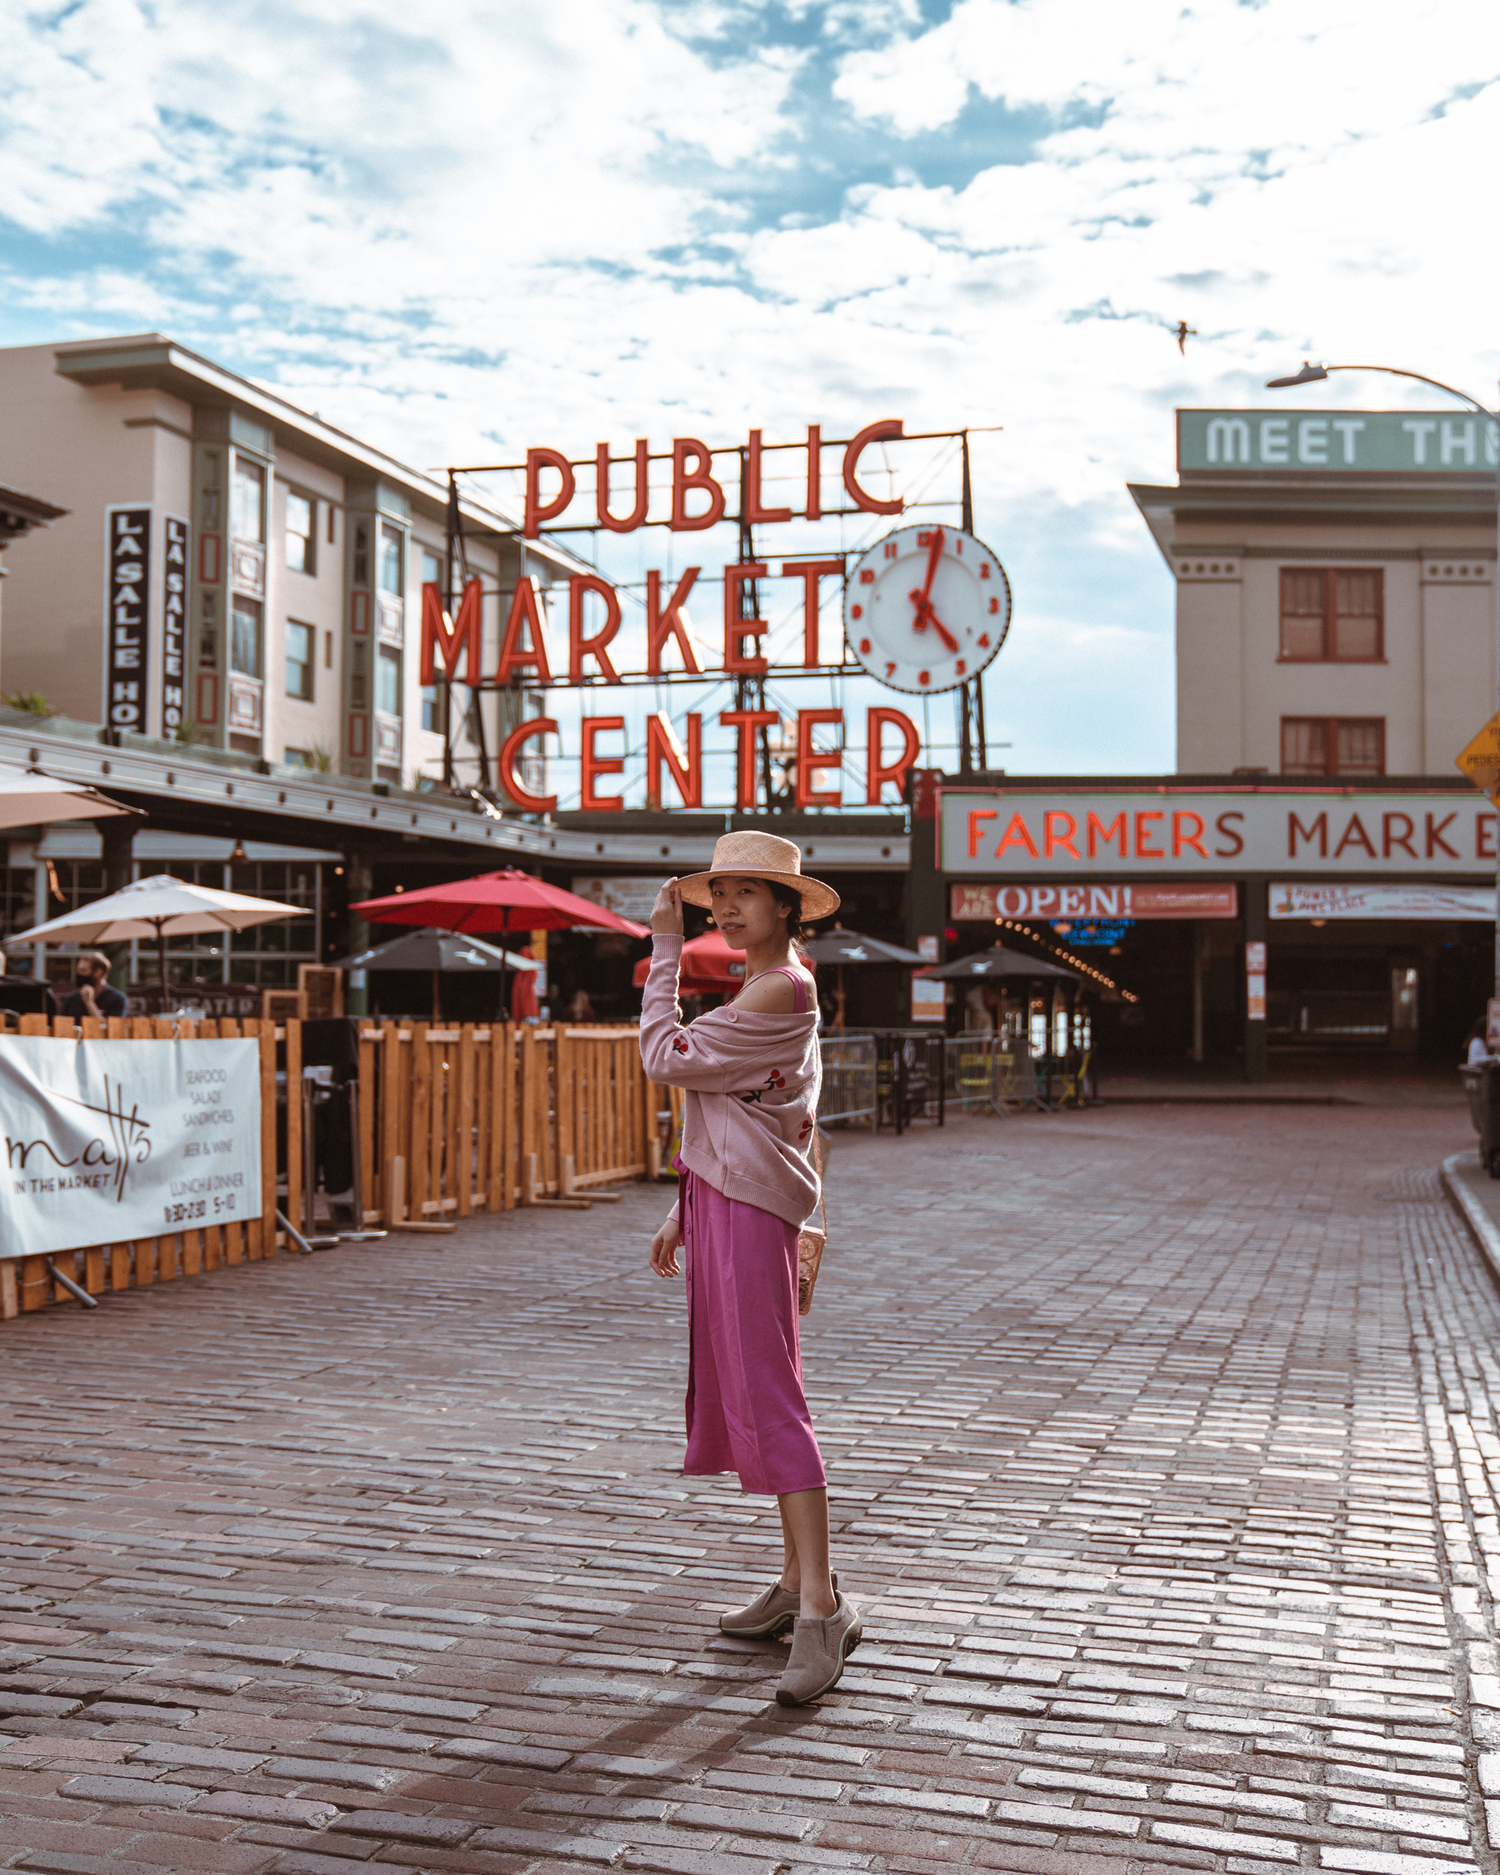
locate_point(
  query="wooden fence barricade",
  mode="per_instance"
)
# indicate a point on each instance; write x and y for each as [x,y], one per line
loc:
[453,1122]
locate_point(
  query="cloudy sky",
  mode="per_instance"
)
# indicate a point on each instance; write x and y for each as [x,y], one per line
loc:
[460,231]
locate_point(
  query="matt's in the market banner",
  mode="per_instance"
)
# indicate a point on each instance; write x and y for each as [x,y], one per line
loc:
[109,1141]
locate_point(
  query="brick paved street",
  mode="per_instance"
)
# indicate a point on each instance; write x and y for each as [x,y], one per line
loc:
[1159,1441]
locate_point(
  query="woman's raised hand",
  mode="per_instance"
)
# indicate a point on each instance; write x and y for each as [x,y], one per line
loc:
[666,913]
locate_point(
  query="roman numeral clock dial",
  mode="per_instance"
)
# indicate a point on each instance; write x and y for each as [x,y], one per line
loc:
[926,609]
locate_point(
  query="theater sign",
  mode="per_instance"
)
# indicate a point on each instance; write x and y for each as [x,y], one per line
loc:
[1062,835]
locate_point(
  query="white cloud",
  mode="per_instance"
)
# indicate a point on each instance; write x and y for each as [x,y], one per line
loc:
[498,224]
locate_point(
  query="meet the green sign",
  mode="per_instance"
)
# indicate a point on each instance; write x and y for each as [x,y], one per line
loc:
[1442,442]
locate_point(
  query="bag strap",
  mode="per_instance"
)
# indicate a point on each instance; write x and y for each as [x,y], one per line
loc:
[817,1159]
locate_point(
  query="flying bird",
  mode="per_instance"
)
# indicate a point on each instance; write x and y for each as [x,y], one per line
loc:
[1184,332]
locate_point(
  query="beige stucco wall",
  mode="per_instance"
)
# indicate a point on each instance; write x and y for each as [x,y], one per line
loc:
[96,447]
[1434,687]
[315,599]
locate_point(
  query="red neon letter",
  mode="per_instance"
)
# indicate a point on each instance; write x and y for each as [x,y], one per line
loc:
[810,572]
[1114,831]
[687,770]
[525,609]
[669,623]
[1181,836]
[1435,831]
[877,770]
[699,476]
[976,832]
[751,508]
[580,647]
[506,765]
[810,760]
[736,628]
[747,723]
[536,510]
[591,764]
[1016,835]
[814,472]
[439,633]
[1067,828]
[1142,851]
[622,524]
[871,433]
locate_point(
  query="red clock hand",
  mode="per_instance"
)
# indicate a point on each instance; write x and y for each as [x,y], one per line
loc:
[926,616]
[935,553]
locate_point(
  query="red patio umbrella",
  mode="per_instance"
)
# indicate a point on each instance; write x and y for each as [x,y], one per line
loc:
[709,967]
[495,901]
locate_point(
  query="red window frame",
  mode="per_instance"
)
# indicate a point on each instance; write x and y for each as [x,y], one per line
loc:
[1330,727]
[1328,654]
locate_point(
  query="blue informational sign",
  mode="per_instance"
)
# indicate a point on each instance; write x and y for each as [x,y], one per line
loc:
[1082,932]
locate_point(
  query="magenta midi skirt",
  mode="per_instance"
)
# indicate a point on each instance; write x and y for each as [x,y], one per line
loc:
[746,1410]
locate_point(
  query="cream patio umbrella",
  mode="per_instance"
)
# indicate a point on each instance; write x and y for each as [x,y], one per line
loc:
[28,797]
[159,907]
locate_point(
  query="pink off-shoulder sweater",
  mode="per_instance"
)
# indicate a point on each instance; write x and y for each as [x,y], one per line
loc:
[752,1084]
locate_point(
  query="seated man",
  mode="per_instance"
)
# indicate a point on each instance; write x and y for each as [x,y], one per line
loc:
[95,995]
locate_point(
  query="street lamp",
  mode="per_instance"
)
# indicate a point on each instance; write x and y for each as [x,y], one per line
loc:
[1314,374]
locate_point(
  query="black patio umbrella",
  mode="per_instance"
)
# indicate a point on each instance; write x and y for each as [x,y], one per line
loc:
[444,953]
[840,947]
[850,947]
[1002,963]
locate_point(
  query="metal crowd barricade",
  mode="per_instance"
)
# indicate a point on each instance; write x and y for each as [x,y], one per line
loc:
[849,1096]
[971,1072]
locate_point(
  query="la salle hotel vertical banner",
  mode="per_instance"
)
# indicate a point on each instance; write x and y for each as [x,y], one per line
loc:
[108,1141]
[127,630]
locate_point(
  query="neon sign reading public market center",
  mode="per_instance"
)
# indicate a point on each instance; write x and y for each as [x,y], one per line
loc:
[925,610]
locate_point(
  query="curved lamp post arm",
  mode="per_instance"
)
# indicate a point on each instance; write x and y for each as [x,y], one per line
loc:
[1314,374]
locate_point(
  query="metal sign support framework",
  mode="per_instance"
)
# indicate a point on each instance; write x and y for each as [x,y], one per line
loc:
[749,689]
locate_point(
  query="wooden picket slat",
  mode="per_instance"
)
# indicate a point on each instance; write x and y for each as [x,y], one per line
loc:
[419,1134]
[265,1224]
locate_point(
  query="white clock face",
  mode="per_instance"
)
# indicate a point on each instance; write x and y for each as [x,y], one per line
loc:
[926,609]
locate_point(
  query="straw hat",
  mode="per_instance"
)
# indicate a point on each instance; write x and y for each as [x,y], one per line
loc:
[761,856]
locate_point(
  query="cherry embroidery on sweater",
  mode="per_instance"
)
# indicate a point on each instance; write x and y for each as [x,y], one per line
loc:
[773,1079]
[679,1042]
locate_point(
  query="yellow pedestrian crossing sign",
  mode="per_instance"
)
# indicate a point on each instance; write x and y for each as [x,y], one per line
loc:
[1480,760]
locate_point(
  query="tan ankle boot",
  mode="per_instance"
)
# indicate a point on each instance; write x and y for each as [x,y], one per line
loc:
[768,1614]
[819,1649]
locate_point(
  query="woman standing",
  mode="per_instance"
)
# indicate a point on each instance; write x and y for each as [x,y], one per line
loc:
[752,1071]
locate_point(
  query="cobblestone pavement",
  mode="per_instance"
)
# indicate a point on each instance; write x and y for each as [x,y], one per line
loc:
[1160,1441]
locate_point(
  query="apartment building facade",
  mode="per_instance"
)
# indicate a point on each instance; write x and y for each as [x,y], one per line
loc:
[1335,588]
[231,570]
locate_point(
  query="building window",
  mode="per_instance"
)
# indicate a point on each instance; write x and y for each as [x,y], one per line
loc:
[244,637]
[432,699]
[247,514]
[391,581]
[301,654]
[1333,745]
[388,682]
[1332,615]
[361,574]
[301,533]
[299,758]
